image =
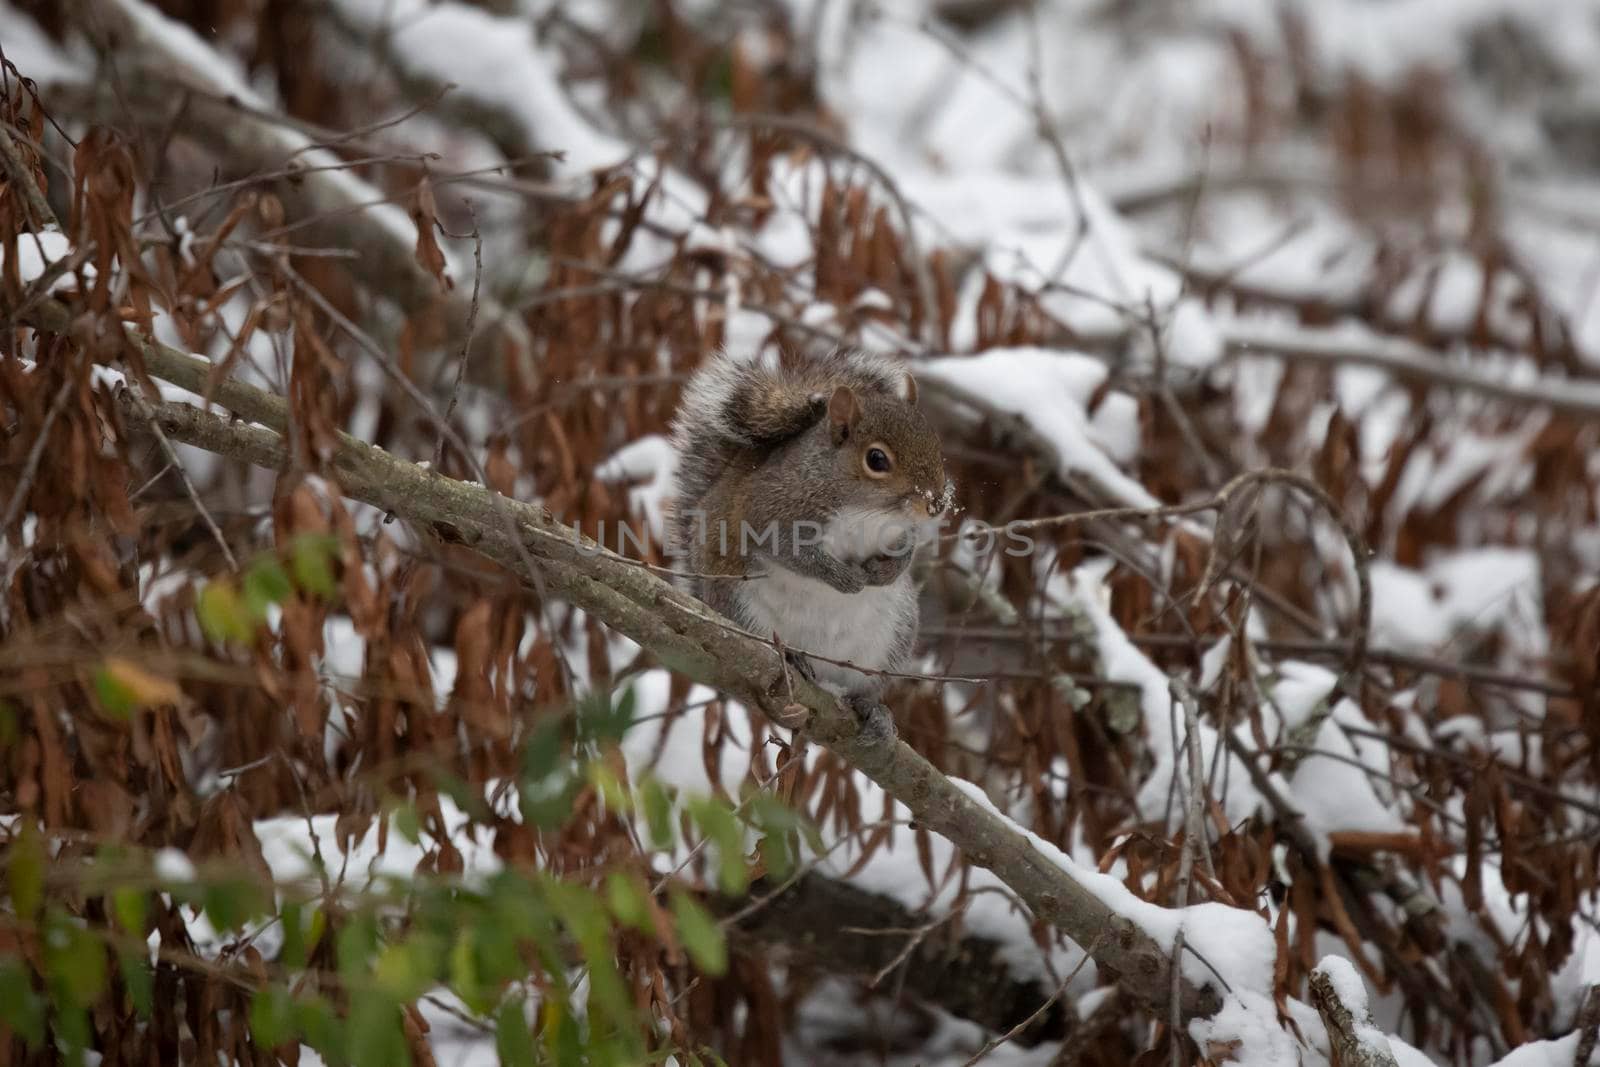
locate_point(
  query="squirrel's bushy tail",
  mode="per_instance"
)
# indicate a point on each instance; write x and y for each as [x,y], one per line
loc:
[733,407]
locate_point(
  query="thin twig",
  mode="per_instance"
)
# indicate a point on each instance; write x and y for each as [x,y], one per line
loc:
[446,432]
[30,465]
[22,180]
[472,325]
[927,290]
[183,475]
[1195,830]
[1061,990]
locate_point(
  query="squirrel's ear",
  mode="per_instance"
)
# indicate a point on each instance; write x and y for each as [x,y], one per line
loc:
[910,390]
[843,411]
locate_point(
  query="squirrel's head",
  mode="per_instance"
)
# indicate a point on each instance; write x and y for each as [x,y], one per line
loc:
[887,452]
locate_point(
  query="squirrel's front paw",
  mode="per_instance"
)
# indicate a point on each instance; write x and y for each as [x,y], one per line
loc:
[849,578]
[877,721]
[883,570]
[802,666]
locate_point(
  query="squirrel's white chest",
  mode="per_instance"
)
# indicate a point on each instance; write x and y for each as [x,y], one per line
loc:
[866,628]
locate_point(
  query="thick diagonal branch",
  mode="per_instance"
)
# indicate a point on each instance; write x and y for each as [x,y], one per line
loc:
[687,637]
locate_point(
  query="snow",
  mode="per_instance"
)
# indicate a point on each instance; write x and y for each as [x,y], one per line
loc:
[37,252]
[1331,793]
[670,747]
[1049,390]
[186,58]
[287,847]
[38,57]
[1213,662]
[1248,1018]
[192,60]
[650,462]
[171,865]
[1329,787]
[1347,985]
[1083,593]
[508,70]
[1561,1052]
[957,137]
[1237,943]
[1484,589]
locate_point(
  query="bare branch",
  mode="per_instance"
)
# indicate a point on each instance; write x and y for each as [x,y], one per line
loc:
[1407,361]
[1350,1031]
[685,635]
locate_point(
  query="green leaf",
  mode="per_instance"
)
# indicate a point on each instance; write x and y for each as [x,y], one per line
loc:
[719,824]
[778,853]
[561,1035]
[265,583]
[311,558]
[272,1016]
[115,698]
[513,1038]
[629,900]
[71,1028]
[468,799]
[589,923]
[463,976]
[375,1036]
[546,804]
[21,1008]
[777,824]
[600,720]
[223,614]
[74,961]
[541,753]
[128,905]
[123,686]
[319,926]
[291,917]
[406,970]
[233,903]
[406,821]
[356,945]
[657,812]
[718,83]
[700,934]
[606,783]
[25,871]
[139,981]
[316,1020]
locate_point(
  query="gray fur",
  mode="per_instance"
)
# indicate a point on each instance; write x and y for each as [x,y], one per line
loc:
[755,446]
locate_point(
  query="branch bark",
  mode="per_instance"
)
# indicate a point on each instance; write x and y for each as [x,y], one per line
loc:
[1588,1027]
[1409,361]
[684,635]
[327,204]
[1351,1036]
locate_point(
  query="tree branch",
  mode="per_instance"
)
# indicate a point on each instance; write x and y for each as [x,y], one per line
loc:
[1354,1041]
[1406,360]
[331,204]
[687,637]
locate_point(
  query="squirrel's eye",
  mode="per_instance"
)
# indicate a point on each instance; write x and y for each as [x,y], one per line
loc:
[878,461]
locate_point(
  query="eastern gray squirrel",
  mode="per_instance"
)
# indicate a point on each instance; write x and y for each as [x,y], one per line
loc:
[814,479]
